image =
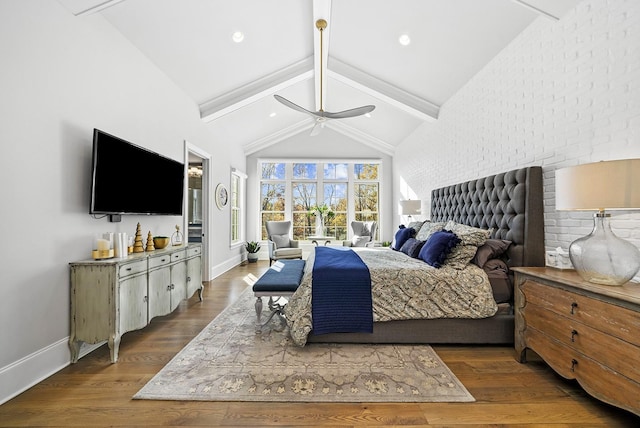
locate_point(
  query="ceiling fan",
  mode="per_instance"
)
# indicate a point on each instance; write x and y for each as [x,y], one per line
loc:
[321,116]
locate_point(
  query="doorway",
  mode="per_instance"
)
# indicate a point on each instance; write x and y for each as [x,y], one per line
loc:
[196,218]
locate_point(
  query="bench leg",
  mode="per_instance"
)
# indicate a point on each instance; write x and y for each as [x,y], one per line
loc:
[258,313]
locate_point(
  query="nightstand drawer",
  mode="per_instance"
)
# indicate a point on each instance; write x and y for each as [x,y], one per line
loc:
[611,319]
[595,378]
[610,351]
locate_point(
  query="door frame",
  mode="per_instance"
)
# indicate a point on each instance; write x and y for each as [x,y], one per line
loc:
[191,150]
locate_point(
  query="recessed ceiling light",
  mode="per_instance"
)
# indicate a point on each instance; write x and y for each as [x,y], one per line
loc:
[404,39]
[273,114]
[238,36]
[367,115]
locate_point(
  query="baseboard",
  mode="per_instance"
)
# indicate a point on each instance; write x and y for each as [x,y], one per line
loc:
[225,266]
[21,375]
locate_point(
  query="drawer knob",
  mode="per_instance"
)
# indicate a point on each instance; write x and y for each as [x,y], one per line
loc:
[574,363]
[574,333]
[574,305]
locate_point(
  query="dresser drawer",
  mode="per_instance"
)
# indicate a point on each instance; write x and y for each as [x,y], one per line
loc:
[610,351]
[598,380]
[159,261]
[127,269]
[194,251]
[177,256]
[609,318]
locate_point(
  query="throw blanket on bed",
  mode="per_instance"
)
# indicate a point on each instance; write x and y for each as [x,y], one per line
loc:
[403,288]
[341,292]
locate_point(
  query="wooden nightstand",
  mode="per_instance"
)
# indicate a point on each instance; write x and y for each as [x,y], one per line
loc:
[584,331]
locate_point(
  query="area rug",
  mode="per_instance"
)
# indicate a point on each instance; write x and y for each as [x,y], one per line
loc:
[230,361]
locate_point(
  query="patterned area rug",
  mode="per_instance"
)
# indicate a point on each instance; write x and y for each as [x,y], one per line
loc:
[229,361]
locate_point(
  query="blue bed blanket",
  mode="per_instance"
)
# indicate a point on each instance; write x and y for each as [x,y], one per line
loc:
[341,292]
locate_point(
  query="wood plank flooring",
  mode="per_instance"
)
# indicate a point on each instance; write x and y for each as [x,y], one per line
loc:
[96,393]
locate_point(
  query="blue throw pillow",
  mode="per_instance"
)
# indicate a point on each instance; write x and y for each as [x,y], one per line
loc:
[414,250]
[437,248]
[401,237]
[412,247]
[407,245]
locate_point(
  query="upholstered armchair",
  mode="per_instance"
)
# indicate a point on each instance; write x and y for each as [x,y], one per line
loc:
[280,245]
[364,233]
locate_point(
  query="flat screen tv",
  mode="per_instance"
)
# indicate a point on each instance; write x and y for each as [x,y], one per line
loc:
[129,179]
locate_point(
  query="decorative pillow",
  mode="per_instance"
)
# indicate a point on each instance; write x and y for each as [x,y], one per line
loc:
[414,250]
[281,241]
[416,225]
[428,228]
[407,245]
[360,241]
[401,237]
[468,234]
[435,250]
[491,249]
[460,256]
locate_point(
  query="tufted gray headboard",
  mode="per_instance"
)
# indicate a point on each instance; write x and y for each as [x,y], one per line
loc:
[510,204]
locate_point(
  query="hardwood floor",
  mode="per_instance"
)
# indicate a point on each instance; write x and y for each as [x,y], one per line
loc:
[95,392]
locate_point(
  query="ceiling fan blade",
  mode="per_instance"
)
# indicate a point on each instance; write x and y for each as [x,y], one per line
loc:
[317,127]
[358,111]
[296,106]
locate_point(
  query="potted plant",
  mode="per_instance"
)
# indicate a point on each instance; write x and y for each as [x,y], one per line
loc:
[252,248]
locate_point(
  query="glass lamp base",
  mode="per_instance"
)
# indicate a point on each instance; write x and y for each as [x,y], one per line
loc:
[603,258]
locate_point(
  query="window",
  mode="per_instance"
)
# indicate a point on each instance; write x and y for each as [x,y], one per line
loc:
[288,190]
[366,191]
[236,201]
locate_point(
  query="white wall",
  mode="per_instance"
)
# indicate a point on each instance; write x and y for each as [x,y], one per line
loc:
[562,93]
[327,145]
[60,77]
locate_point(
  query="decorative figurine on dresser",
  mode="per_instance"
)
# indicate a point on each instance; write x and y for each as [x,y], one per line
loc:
[112,297]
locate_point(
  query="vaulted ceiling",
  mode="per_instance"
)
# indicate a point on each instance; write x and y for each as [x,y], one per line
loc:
[233,83]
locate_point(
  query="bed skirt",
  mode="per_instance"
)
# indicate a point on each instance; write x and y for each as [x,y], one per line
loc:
[498,329]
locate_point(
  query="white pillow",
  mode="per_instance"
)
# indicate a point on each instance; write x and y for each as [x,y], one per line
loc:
[281,241]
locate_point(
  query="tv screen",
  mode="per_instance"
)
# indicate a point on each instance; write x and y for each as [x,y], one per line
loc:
[128,179]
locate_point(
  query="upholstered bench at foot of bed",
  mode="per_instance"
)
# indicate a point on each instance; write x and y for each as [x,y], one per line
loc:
[280,280]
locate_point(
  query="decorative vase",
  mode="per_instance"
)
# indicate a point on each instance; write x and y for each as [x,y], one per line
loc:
[319,226]
[252,257]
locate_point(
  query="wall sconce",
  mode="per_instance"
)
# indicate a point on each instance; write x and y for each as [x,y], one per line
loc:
[410,207]
[601,257]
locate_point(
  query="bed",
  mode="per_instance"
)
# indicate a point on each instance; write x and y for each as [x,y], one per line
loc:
[507,207]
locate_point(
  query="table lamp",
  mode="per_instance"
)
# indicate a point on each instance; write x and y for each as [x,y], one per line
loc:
[410,207]
[601,257]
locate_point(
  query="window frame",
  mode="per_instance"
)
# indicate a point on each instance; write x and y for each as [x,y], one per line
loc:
[351,182]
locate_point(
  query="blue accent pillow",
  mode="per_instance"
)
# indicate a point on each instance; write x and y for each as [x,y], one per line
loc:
[412,247]
[401,237]
[437,248]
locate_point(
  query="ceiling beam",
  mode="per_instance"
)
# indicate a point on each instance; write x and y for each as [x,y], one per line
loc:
[256,90]
[401,99]
[87,7]
[536,10]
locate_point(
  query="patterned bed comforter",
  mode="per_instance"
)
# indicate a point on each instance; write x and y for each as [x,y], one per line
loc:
[404,288]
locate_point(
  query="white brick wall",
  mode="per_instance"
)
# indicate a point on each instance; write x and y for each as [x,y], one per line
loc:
[562,93]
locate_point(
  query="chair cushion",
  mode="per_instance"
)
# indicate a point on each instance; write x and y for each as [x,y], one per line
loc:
[360,241]
[281,241]
[288,252]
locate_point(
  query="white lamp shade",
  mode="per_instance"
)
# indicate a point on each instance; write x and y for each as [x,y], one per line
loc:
[603,185]
[410,207]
